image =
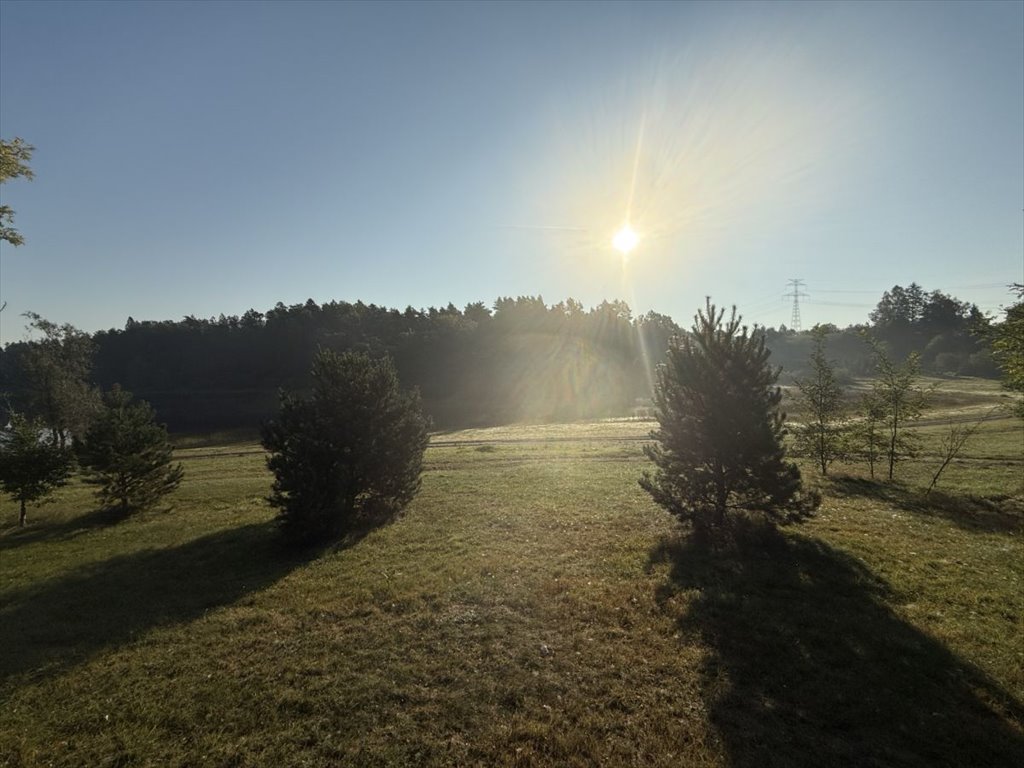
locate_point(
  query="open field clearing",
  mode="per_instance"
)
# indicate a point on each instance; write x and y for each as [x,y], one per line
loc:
[532,607]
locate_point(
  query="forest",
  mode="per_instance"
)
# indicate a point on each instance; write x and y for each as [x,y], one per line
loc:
[520,360]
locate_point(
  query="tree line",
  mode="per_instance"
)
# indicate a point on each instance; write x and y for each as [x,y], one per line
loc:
[950,336]
[520,359]
[875,427]
[353,450]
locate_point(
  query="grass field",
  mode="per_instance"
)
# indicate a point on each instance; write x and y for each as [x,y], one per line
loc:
[532,607]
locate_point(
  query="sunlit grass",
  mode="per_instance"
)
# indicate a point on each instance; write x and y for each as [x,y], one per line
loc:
[532,607]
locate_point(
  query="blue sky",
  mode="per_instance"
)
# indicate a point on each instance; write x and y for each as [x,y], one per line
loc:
[212,157]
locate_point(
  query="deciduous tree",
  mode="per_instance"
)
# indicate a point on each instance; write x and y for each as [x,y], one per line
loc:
[14,159]
[57,368]
[953,441]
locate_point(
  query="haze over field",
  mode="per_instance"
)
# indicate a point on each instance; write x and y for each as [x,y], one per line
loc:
[353,409]
[207,158]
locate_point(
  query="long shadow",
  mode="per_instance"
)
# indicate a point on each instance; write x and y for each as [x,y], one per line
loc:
[971,513]
[57,531]
[48,628]
[808,666]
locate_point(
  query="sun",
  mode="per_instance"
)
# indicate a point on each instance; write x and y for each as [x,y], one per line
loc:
[625,240]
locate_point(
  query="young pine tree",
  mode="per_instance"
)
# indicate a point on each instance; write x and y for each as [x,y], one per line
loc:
[719,445]
[353,450]
[866,437]
[899,401]
[32,462]
[1008,346]
[821,436]
[127,454]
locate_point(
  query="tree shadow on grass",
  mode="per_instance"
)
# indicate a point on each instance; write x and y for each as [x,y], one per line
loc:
[995,514]
[808,666]
[61,530]
[49,627]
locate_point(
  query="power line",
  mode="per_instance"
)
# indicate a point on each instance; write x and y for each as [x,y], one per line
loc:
[843,290]
[976,285]
[880,291]
[840,304]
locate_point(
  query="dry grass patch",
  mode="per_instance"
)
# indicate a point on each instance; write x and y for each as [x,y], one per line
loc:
[532,607]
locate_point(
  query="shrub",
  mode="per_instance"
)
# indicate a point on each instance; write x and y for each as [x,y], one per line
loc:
[352,451]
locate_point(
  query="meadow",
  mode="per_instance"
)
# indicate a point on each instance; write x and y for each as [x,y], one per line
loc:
[531,607]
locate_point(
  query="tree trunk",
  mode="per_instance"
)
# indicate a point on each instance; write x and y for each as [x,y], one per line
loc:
[893,436]
[123,496]
[721,497]
[21,518]
[822,448]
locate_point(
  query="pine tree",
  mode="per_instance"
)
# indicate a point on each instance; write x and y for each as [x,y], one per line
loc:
[899,401]
[353,451]
[866,439]
[32,462]
[1008,346]
[821,435]
[720,441]
[127,454]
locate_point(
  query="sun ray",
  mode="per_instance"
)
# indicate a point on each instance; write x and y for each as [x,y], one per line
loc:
[636,166]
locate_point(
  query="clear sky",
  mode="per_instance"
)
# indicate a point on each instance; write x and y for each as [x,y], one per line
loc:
[211,157]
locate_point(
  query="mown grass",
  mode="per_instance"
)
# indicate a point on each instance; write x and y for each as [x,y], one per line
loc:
[532,607]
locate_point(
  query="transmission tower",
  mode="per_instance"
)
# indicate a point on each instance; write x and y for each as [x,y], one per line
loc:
[796,294]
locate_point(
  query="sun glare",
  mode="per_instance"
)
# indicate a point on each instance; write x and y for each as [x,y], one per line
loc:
[625,240]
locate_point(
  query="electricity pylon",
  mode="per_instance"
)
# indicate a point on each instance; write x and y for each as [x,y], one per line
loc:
[796,294]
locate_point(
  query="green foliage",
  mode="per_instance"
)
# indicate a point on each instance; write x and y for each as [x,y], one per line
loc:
[719,445]
[900,306]
[897,401]
[354,450]
[32,463]
[865,438]
[770,654]
[1008,346]
[56,369]
[948,332]
[127,454]
[14,159]
[821,436]
[525,361]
